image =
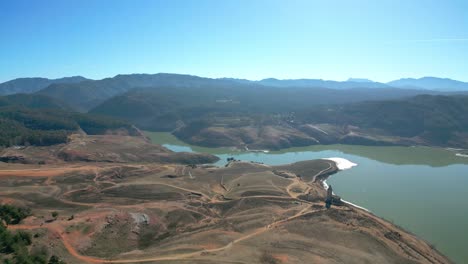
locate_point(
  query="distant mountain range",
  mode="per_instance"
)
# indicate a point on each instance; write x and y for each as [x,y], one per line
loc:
[196,108]
[30,85]
[322,83]
[84,94]
[88,94]
[431,83]
[359,80]
[425,83]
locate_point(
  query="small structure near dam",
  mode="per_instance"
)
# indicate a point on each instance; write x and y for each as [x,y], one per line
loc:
[332,199]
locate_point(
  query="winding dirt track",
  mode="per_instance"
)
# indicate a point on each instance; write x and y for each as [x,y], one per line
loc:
[314,178]
[51,172]
[298,181]
[60,233]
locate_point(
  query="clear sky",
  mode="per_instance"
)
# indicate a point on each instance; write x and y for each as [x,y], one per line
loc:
[381,40]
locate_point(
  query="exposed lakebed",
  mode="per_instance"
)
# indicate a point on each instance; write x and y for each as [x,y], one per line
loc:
[419,188]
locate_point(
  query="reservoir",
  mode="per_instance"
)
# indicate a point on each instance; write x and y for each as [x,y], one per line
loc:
[422,189]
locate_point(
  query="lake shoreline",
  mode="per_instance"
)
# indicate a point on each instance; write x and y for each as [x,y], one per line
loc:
[382,171]
[342,164]
[266,149]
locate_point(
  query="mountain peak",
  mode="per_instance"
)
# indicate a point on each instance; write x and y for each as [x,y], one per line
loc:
[363,80]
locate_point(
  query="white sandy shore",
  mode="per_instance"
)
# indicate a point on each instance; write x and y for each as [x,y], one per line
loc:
[355,205]
[343,164]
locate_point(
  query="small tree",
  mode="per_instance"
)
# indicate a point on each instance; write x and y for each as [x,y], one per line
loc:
[55,260]
[267,258]
[54,214]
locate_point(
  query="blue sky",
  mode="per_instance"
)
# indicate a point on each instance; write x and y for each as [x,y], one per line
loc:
[380,40]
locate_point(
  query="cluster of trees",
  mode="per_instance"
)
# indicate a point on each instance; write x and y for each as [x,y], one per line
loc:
[96,124]
[12,215]
[15,246]
[14,133]
[43,127]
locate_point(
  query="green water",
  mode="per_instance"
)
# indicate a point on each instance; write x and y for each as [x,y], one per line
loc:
[418,188]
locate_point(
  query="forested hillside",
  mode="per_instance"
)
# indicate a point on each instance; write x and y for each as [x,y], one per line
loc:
[38,120]
[436,118]
[33,101]
[157,108]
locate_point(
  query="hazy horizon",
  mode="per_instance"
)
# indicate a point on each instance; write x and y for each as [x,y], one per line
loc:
[229,77]
[381,41]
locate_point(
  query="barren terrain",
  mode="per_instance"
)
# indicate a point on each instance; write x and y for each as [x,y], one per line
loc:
[137,210]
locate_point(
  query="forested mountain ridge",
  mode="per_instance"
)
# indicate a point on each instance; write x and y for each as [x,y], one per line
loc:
[87,95]
[31,85]
[84,94]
